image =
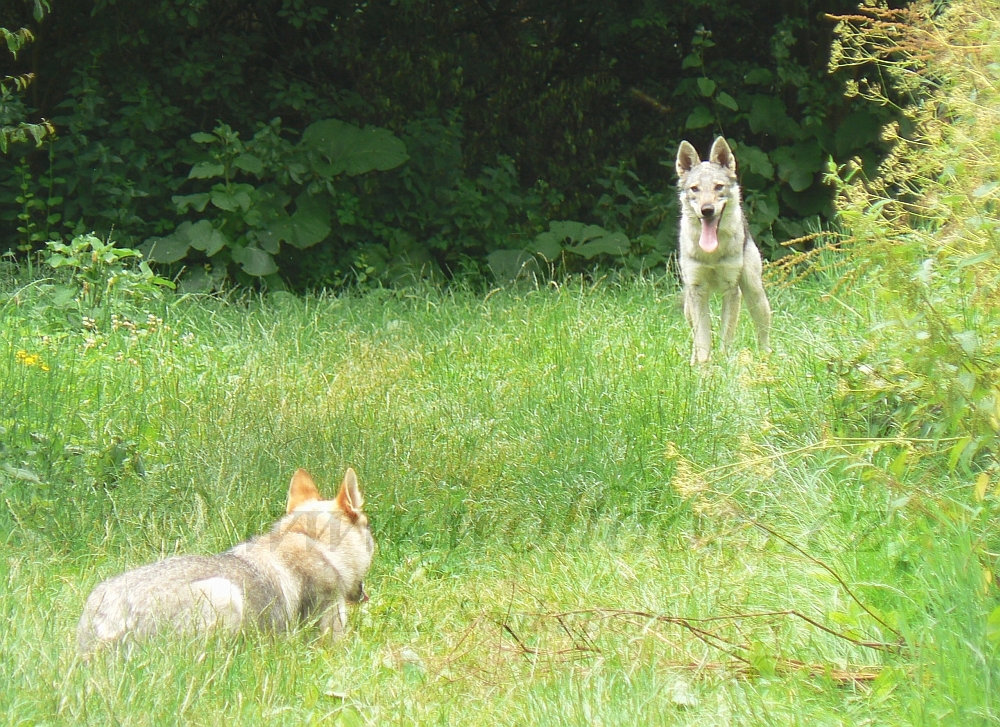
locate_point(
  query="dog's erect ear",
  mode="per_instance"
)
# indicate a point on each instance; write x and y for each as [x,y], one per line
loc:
[349,499]
[723,155]
[302,489]
[687,158]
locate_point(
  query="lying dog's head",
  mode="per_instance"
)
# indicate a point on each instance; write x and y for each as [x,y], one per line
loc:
[339,525]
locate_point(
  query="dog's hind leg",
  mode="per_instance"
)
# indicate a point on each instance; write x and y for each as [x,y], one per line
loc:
[759,308]
[730,315]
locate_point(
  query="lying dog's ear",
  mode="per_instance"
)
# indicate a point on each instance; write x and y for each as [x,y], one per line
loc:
[722,155]
[302,489]
[687,158]
[349,499]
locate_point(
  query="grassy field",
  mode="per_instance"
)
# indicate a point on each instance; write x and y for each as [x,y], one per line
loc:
[574,526]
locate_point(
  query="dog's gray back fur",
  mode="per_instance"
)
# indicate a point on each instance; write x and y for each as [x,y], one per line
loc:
[709,196]
[311,563]
[188,593]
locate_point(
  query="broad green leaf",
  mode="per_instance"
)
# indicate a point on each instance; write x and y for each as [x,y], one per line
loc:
[856,131]
[547,245]
[199,280]
[706,86]
[699,118]
[203,236]
[767,116]
[377,149]
[898,465]
[271,236]
[308,229]
[309,225]
[254,261]
[758,76]
[167,249]
[200,137]
[614,243]
[196,201]
[800,180]
[249,163]
[242,197]
[206,170]
[224,200]
[237,196]
[311,222]
[766,209]
[691,61]
[755,160]
[63,295]
[728,101]
[798,163]
[352,151]
[567,230]
[592,232]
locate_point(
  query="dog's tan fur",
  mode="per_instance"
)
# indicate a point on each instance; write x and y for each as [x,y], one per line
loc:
[310,565]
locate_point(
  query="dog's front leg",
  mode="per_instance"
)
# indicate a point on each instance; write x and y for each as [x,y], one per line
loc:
[334,619]
[700,317]
[730,315]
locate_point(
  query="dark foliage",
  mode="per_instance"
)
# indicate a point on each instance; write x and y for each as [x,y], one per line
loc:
[514,113]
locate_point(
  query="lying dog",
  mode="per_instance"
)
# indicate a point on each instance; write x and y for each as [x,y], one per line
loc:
[310,565]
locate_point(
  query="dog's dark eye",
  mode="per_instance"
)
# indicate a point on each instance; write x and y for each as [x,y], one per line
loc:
[719,187]
[694,188]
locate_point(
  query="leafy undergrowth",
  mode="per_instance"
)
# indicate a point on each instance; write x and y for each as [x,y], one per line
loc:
[574,526]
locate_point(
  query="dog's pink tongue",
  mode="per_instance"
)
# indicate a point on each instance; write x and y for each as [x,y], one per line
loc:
[709,234]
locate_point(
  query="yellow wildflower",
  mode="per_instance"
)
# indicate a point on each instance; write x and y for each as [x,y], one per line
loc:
[30,359]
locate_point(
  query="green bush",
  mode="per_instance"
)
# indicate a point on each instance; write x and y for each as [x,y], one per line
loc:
[924,241]
[245,222]
[520,115]
[927,227]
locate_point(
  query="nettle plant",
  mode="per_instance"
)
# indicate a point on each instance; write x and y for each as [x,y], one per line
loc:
[268,191]
[99,276]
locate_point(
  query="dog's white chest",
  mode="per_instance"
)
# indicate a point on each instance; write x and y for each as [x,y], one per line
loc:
[722,273]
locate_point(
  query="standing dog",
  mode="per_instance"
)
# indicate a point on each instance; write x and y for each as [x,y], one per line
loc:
[310,565]
[717,252]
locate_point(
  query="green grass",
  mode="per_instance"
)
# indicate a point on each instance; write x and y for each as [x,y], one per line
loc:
[545,475]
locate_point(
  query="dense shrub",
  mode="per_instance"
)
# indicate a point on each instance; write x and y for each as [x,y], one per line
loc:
[926,226]
[924,242]
[516,113]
